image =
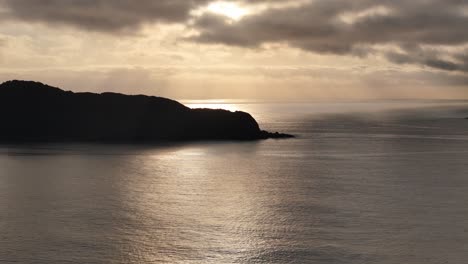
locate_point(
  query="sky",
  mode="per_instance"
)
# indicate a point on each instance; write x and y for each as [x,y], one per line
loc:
[257,49]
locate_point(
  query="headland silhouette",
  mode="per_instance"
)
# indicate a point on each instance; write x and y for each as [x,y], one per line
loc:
[35,112]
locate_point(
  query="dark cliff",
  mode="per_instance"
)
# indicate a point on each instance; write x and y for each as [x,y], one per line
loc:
[34,112]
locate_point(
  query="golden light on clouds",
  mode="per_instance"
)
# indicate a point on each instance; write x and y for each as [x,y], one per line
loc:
[247,49]
[228,9]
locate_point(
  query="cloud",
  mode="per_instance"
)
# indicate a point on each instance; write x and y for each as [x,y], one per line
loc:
[427,33]
[349,28]
[100,15]
[431,57]
[339,27]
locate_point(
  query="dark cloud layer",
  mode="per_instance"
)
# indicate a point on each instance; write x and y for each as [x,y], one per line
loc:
[353,27]
[112,16]
[340,27]
[432,59]
[101,15]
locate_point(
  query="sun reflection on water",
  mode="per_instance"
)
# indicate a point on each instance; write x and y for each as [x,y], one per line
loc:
[190,197]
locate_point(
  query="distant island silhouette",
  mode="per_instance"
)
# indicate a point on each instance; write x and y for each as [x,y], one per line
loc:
[35,112]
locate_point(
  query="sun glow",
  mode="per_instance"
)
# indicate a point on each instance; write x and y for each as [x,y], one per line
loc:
[212,104]
[228,9]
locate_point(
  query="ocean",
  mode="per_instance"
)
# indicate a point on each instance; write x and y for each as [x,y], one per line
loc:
[379,182]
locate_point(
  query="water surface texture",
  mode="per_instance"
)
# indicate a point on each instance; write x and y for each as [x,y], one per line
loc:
[383,182]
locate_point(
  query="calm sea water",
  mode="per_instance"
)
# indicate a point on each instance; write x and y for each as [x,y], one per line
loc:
[382,182]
